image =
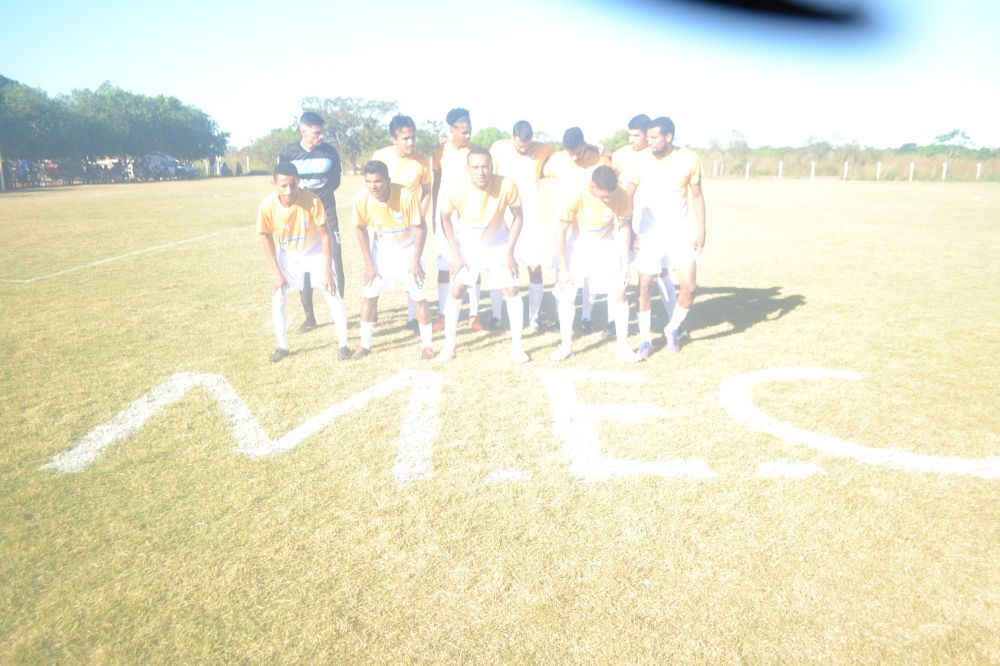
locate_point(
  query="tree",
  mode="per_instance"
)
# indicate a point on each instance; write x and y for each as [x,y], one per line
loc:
[263,152]
[356,127]
[487,136]
[29,121]
[427,136]
[616,141]
[955,141]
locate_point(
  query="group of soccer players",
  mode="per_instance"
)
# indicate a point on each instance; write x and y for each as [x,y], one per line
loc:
[614,213]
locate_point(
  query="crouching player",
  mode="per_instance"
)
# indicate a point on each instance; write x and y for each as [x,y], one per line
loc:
[298,218]
[483,245]
[391,232]
[600,218]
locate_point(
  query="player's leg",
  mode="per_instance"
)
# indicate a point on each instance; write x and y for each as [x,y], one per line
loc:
[279,321]
[474,321]
[306,296]
[369,312]
[618,310]
[451,309]
[668,294]
[536,290]
[687,276]
[586,308]
[496,309]
[565,293]
[515,311]
[644,315]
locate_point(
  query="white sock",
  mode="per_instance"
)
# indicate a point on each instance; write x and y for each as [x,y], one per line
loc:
[535,292]
[496,303]
[474,301]
[411,313]
[443,291]
[279,316]
[451,308]
[667,293]
[566,308]
[425,335]
[620,314]
[644,333]
[678,318]
[367,329]
[588,300]
[339,314]
[515,312]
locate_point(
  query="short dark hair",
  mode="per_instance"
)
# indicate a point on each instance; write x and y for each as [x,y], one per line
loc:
[665,124]
[398,122]
[376,167]
[285,169]
[456,116]
[523,131]
[640,122]
[311,119]
[604,178]
[573,138]
[478,150]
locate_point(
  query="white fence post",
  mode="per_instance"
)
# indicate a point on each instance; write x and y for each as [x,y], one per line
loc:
[781,169]
[878,171]
[845,169]
[944,171]
[248,165]
[3,184]
[979,170]
[812,171]
[746,175]
[913,167]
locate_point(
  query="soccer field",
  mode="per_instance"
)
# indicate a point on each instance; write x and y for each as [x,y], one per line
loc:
[814,478]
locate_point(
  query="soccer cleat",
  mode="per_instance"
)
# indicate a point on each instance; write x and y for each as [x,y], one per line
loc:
[445,355]
[494,326]
[413,325]
[518,355]
[438,325]
[307,325]
[278,354]
[562,353]
[673,341]
[626,355]
[645,350]
[344,353]
[426,353]
[360,353]
[537,325]
[586,326]
[477,325]
[609,331]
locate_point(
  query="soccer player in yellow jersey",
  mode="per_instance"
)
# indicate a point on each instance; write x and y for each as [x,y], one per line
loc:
[298,219]
[664,183]
[572,168]
[522,159]
[483,245]
[449,164]
[391,232]
[600,219]
[408,168]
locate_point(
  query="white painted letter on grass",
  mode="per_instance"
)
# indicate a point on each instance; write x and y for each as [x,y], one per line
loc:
[736,394]
[413,461]
[577,425]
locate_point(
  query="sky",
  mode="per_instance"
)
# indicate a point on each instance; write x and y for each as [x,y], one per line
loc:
[912,71]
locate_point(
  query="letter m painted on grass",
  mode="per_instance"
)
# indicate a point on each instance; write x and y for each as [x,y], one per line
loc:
[413,459]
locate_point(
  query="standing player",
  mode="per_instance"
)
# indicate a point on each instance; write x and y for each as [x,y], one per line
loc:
[391,231]
[521,159]
[449,163]
[483,245]
[318,164]
[600,218]
[572,168]
[410,169]
[298,218]
[661,183]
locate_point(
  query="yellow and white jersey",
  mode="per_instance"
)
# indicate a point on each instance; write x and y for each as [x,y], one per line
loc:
[392,220]
[523,169]
[623,161]
[412,171]
[594,218]
[452,165]
[662,184]
[572,177]
[296,226]
[482,210]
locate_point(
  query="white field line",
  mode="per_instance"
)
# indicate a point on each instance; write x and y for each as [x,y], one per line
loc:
[736,394]
[414,447]
[133,253]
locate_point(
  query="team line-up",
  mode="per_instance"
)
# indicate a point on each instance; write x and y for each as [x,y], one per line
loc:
[629,210]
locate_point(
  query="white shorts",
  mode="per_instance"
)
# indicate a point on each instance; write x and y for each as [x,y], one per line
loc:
[294,266]
[664,242]
[487,261]
[393,262]
[599,261]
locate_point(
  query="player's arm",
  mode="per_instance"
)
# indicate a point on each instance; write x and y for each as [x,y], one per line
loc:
[562,263]
[366,253]
[419,238]
[329,284]
[267,241]
[457,260]
[336,169]
[624,231]
[698,204]
[515,231]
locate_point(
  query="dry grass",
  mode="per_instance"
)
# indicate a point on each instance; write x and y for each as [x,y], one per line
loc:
[173,547]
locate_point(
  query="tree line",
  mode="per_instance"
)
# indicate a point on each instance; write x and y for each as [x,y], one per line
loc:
[107,121]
